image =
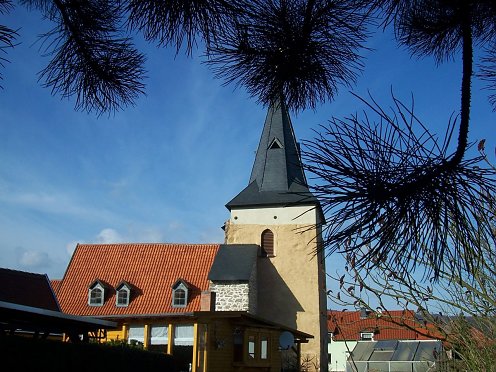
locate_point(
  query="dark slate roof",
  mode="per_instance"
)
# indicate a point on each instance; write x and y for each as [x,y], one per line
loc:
[234,262]
[252,196]
[277,177]
[27,289]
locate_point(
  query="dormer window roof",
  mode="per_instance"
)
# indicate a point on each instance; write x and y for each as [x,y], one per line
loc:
[180,291]
[96,293]
[122,294]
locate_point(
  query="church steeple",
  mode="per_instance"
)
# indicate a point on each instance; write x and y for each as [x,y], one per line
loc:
[277,177]
[278,213]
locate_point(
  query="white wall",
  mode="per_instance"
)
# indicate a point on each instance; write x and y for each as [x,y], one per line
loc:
[300,215]
[338,352]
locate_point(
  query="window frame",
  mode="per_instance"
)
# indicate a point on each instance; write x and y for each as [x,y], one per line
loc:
[96,286]
[364,336]
[264,252]
[177,288]
[123,287]
[256,348]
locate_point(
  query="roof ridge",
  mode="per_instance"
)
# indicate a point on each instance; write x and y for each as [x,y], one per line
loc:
[22,271]
[146,244]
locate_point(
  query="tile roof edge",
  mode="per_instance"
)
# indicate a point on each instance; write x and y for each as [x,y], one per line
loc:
[157,315]
[53,292]
[61,284]
[146,244]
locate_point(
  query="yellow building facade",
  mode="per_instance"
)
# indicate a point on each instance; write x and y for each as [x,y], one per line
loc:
[221,341]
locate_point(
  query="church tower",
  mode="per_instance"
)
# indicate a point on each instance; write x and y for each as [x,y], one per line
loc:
[279,213]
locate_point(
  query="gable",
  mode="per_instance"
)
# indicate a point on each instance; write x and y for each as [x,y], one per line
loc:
[151,268]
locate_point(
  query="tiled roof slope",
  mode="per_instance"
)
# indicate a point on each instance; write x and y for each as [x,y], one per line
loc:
[28,289]
[151,269]
[55,284]
[347,325]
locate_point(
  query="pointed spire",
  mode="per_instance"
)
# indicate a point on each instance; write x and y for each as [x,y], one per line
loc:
[277,177]
[277,163]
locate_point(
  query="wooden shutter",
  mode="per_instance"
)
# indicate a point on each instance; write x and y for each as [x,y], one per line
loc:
[267,243]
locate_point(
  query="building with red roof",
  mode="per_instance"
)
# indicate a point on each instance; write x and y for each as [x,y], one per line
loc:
[350,332]
[165,296]
[148,271]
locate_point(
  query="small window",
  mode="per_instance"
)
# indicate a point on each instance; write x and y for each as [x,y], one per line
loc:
[179,297]
[257,347]
[179,294]
[275,144]
[251,347]
[367,336]
[264,347]
[122,295]
[96,294]
[267,244]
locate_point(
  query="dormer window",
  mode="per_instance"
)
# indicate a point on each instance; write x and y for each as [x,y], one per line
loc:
[366,336]
[180,294]
[275,144]
[122,294]
[96,294]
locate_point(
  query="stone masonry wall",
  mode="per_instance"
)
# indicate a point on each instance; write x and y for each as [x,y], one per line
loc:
[231,295]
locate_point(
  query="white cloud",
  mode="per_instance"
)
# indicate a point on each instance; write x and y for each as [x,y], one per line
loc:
[108,235]
[53,203]
[150,234]
[34,259]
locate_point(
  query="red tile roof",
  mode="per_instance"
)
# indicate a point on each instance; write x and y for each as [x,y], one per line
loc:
[55,284]
[28,289]
[151,269]
[391,325]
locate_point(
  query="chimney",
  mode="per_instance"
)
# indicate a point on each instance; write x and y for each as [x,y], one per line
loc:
[207,301]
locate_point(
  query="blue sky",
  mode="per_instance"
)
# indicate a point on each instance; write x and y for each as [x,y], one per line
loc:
[163,170]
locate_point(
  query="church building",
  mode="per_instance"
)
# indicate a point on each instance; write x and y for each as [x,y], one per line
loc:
[278,212]
[245,304]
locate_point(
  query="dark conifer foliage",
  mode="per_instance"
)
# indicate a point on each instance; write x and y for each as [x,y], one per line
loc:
[7,35]
[302,49]
[440,27]
[397,196]
[488,73]
[91,60]
[174,22]
[390,195]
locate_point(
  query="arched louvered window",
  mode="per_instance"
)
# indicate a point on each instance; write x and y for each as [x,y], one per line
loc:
[267,243]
